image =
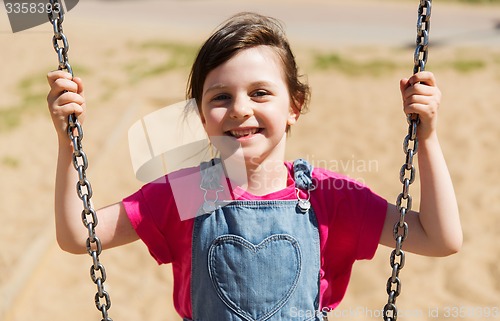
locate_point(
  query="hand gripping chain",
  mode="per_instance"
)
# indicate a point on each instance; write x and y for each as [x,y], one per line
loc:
[80,162]
[404,199]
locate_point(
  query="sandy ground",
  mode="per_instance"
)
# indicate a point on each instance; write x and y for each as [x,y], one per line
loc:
[355,126]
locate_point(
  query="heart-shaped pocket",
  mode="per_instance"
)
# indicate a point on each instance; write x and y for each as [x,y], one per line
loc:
[255,281]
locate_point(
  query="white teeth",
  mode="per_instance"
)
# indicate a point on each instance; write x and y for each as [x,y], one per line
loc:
[243,133]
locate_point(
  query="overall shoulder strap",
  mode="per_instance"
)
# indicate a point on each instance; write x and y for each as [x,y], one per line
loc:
[302,174]
[211,172]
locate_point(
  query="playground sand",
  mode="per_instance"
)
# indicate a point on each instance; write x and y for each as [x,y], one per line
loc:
[355,126]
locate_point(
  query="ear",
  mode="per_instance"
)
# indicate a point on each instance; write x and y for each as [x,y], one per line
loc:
[293,114]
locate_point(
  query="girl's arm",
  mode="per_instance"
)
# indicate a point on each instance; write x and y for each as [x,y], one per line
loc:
[435,230]
[114,228]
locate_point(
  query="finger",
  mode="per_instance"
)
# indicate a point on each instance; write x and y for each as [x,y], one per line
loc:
[63,84]
[420,90]
[65,110]
[59,87]
[429,101]
[52,76]
[419,99]
[59,82]
[421,103]
[422,110]
[76,109]
[423,77]
[60,114]
[70,97]
[403,85]
[79,83]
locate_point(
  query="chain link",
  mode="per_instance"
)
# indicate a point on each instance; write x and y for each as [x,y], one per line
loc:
[407,173]
[423,27]
[80,163]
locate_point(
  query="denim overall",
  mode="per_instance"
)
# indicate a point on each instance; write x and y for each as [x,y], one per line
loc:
[257,260]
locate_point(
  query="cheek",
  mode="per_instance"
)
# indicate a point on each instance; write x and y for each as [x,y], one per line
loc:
[212,119]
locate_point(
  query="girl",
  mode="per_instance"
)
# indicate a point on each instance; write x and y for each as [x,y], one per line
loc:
[278,242]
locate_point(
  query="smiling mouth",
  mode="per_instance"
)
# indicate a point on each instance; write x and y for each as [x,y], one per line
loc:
[243,132]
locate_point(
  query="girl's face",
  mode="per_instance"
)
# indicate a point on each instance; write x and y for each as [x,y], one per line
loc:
[246,103]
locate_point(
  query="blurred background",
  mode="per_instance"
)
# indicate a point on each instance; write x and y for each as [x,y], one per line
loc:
[135,57]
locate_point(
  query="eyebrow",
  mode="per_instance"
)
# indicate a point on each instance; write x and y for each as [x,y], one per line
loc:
[214,88]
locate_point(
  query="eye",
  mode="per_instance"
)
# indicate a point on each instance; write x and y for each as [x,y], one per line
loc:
[222,97]
[260,93]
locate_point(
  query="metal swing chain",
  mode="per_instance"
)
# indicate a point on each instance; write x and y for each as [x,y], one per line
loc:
[404,199]
[80,163]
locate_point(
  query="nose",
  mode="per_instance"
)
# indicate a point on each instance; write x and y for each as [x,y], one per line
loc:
[241,107]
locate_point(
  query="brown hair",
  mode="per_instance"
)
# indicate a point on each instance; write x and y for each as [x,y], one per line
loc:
[242,31]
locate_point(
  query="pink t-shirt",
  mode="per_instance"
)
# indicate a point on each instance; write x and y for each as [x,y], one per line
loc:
[350,219]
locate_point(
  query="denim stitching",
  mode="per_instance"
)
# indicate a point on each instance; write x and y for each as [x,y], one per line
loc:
[230,238]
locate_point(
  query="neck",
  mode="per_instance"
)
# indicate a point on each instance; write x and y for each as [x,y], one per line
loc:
[259,176]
